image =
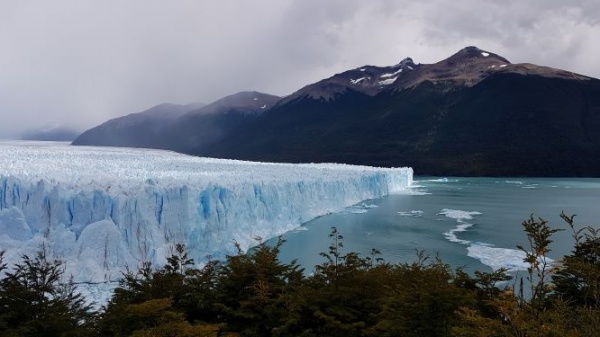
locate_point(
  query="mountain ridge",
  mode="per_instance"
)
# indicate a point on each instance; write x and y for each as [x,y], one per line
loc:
[139,129]
[473,113]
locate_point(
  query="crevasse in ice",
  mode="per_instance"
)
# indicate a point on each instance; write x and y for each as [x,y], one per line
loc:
[101,209]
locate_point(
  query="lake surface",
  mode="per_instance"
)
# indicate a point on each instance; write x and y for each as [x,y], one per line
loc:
[470,222]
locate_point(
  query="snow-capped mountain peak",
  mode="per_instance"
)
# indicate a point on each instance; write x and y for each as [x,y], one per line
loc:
[369,80]
[407,63]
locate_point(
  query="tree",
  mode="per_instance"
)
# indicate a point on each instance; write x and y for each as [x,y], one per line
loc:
[578,280]
[143,285]
[545,312]
[179,261]
[36,301]
[200,297]
[422,299]
[539,264]
[156,318]
[343,296]
[256,291]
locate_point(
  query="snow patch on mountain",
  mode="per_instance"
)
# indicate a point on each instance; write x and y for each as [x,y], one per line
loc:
[356,81]
[387,81]
[394,74]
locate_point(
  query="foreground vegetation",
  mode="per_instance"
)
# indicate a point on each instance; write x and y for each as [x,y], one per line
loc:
[348,295]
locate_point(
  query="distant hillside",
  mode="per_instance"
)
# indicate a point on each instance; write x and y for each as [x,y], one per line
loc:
[183,128]
[199,130]
[142,129]
[51,133]
[473,114]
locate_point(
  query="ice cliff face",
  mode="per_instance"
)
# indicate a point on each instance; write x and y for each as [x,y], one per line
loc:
[100,209]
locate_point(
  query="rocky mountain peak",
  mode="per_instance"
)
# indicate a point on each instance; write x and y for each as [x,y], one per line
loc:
[248,101]
[468,67]
[474,53]
[406,63]
[369,80]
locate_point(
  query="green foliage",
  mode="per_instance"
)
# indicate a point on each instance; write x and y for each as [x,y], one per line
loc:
[421,300]
[343,297]
[157,317]
[536,256]
[578,281]
[35,301]
[187,289]
[255,294]
[564,306]
[198,301]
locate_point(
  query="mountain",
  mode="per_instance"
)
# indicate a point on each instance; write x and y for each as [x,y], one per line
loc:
[198,130]
[473,114]
[181,128]
[57,133]
[141,129]
[367,80]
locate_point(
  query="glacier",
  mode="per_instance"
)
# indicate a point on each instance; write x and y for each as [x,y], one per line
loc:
[100,209]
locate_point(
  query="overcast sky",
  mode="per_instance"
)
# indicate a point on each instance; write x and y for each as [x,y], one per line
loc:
[82,62]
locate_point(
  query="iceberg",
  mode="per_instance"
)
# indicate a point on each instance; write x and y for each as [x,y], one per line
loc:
[101,209]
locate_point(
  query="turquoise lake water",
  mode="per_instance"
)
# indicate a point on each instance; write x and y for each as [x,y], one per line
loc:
[470,222]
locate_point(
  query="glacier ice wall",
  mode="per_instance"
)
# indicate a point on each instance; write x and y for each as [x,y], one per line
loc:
[100,209]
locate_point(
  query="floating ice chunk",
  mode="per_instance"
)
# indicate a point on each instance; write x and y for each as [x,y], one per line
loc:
[360,208]
[440,180]
[497,258]
[415,214]
[451,234]
[458,214]
[414,191]
[460,217]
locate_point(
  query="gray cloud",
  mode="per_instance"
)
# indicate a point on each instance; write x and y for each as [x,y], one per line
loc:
[81,62]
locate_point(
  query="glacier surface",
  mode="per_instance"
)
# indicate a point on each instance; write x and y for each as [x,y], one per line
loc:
[101,209]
